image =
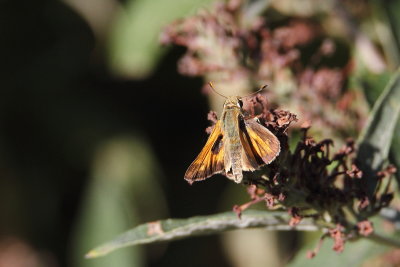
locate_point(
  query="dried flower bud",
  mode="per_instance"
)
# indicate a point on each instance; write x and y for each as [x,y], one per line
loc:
[310,142]
[364,202]
[212,116]
[387,172]
[338,238]
[328,47]
[237,210]
[365,228]
[354,172]
[209,129]
[296,218]
[310,254]
[252,191]
[269,200]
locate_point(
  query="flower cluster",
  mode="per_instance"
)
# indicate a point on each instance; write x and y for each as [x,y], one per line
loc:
[294,56]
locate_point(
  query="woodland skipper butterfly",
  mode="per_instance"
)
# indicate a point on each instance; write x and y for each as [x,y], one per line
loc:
[236,144]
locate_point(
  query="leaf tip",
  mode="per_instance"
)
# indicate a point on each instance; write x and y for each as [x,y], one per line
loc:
[91,254]
[96,252]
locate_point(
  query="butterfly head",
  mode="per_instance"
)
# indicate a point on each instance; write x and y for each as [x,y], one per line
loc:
[233,102]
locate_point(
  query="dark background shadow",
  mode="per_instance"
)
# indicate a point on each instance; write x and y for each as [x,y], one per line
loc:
[58,102]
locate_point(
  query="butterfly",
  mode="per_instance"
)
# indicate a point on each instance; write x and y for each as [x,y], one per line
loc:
[236,144]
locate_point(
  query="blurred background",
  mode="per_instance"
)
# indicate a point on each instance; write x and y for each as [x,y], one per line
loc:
[97,128]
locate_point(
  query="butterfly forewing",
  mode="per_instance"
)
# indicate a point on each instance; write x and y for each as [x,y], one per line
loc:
[210,160]
[260,146]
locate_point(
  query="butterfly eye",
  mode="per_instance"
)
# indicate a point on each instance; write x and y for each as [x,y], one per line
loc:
[240,103]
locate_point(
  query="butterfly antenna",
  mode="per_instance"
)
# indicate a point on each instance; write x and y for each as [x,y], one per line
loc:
[215,91]
[259,90]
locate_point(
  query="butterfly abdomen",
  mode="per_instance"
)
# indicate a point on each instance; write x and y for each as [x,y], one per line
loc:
[236,159]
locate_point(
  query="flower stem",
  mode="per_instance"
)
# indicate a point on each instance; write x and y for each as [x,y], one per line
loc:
[384,240]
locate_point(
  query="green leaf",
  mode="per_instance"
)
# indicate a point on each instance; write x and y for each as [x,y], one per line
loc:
[173,229]
[376,138]
[134,44]
[395,151]
[374,84]
[387,17]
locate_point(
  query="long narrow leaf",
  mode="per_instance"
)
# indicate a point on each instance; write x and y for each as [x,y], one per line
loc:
[376,139]
[172,229]
[395,151]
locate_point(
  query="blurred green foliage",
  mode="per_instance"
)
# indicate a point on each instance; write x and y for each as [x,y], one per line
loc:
[134,43]
[376,138]
[114,199]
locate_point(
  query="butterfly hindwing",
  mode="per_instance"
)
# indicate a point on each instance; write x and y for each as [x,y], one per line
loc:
[210,160]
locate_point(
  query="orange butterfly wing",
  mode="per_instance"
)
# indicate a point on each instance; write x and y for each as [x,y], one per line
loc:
[211,158]
[260,146]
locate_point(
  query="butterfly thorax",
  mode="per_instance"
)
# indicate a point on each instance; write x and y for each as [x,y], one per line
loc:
[231,116]
[232,102]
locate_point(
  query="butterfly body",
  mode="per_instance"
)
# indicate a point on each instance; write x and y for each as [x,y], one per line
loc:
[236,144]
[233,147]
